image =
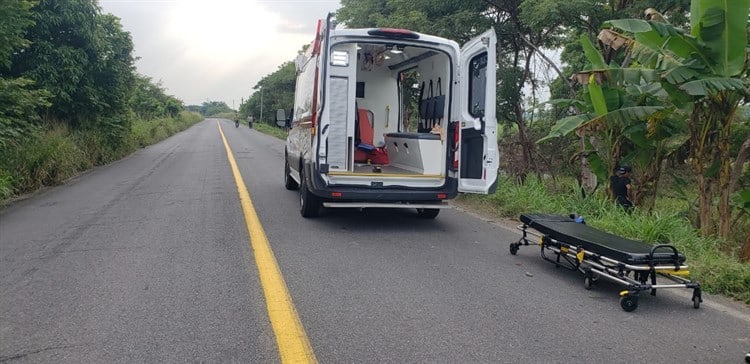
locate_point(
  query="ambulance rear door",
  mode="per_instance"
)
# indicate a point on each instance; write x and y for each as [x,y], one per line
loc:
[478,158]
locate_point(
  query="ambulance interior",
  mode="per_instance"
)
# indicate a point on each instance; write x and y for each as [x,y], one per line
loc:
[401,109]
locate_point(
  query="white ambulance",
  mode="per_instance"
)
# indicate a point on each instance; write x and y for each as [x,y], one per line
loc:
[390,118]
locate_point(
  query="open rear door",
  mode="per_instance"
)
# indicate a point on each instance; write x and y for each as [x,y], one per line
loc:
[479,158]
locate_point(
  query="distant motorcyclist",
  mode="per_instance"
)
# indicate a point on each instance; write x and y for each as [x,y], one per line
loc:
[250,121]
[236,121]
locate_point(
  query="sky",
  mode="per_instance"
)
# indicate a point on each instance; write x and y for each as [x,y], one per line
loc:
[216,50]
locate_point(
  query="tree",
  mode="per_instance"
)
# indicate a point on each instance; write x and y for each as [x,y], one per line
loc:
[19,101]
[622,120]
[19,109]
[458,20]
[84,59]
[16,17]
[562,24]
[149,100]
[210,108]
[702,75]
[278,89]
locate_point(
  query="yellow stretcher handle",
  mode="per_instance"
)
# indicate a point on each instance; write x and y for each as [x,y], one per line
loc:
[681,272]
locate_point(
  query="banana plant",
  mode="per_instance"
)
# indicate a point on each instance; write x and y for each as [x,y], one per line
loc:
[623,120]
[702,72]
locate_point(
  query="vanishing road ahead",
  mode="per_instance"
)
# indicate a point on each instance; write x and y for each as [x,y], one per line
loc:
[150,259]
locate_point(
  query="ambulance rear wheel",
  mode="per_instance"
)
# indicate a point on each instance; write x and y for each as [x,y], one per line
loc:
[289,182]
[309,203]
[428,213]
[629,303]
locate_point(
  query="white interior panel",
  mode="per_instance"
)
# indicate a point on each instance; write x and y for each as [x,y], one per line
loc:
[337,133]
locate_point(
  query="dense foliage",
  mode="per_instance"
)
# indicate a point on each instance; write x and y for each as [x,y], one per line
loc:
[211,108]
[149,100]
[674,88]
[84,59]
[19,99]
[69,94]
[278,89]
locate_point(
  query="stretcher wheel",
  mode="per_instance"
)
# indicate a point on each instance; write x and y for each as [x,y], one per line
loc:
[588,281]
[513,249]
[629,303]
[696,302]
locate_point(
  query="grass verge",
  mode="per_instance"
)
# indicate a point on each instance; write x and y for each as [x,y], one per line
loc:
[270,130]
[53,154]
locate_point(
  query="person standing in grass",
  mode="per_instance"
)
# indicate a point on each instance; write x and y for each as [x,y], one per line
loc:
[622,188]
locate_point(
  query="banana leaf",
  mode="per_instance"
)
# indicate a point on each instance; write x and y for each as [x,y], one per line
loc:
[565,126]
[722,25]
[713,85]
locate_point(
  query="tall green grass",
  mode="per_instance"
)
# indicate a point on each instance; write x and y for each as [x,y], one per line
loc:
[47,157]
[270,130]
[53,154]
[147,132]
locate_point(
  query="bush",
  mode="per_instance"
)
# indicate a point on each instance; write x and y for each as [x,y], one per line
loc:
[98,148]
[140,134]
[47,157]
[6,184]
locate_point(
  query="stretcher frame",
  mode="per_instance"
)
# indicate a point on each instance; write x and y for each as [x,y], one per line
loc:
[594,266]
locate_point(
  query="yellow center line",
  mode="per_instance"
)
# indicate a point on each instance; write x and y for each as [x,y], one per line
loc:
[294,346]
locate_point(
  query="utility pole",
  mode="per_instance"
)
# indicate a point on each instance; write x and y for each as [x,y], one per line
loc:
[261,104]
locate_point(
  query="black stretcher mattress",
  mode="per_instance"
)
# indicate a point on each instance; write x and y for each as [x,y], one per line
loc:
[566,230]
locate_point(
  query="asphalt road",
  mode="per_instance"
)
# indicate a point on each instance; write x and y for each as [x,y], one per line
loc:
[148,260]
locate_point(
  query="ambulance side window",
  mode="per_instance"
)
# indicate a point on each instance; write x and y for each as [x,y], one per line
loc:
[477,85]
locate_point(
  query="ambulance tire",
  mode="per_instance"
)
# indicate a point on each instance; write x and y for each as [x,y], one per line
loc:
[428,213]
[289,182]
[309,203]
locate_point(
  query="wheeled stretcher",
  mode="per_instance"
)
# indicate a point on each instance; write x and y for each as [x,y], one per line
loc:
[598,254]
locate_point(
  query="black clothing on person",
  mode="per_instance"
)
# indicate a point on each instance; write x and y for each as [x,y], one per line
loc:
[620,190]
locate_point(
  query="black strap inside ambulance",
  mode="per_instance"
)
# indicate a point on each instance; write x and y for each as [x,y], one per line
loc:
[438,105]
